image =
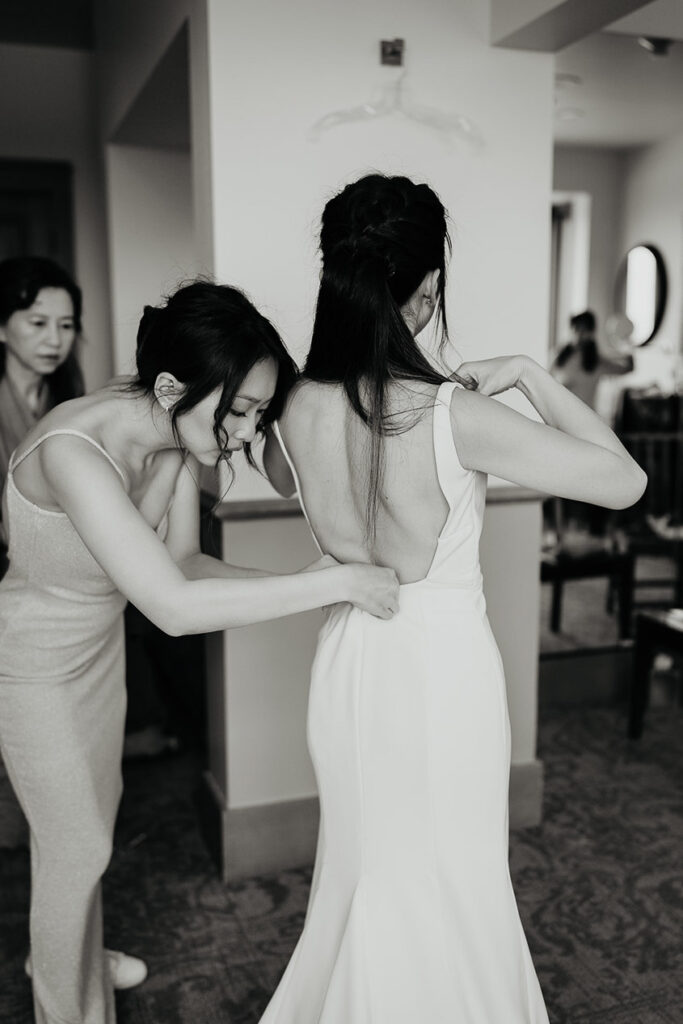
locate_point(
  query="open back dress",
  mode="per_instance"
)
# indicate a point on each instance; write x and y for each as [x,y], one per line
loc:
[412,916]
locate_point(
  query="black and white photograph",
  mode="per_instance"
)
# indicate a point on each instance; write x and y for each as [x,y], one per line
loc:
[341,532]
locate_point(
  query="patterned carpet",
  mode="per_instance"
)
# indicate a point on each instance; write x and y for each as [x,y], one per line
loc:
[599,884]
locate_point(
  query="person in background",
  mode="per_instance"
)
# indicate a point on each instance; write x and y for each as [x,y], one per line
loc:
[579,366]
[581,363]
[40,324]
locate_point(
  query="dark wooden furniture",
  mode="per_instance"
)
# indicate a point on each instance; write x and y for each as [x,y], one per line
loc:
[560,566]
[655,631]
[650,426]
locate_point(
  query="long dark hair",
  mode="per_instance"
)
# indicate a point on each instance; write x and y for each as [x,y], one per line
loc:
[380,237]
[586,346]
[21,278]
[209,336]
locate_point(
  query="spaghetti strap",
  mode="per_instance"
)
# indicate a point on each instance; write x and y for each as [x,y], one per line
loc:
[14,462]
[290,463]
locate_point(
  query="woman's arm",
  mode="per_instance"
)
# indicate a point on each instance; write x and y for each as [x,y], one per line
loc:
[183,533]
[572,454]
[616,365]
[86,487]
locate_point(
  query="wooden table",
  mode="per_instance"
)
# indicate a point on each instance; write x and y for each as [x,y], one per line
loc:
[655,631]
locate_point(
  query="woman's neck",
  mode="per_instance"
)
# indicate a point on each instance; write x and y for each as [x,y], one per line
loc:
[142,432]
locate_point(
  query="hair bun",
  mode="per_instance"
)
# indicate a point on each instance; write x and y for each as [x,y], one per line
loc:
[151,315]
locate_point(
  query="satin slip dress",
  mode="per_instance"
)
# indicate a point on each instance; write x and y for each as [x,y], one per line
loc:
[412,916]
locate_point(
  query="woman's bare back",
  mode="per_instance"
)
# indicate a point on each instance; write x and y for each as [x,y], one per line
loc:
[330,448]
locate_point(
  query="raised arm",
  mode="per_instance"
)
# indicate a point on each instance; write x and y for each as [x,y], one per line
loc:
[615,365]
[572,453]
[141,567]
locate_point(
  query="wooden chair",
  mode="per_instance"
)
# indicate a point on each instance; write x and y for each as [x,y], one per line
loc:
[590,557]
[655,631]
[650,426]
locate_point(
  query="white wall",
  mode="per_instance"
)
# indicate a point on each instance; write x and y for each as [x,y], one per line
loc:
[271,79]
[47,113]
[132,38]
[510,567]
[266,674]
[600,173]
[151,235]
[653,212]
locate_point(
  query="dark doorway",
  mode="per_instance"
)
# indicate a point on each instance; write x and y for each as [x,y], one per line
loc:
[36,210]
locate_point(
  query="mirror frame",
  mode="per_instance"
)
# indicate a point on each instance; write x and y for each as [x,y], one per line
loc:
[662,288]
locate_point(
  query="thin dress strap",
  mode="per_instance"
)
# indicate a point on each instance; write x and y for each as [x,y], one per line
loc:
[276,431]
[13,463]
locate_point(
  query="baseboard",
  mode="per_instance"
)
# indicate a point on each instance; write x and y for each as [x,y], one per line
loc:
[271,837]
[249,841]
[526,794]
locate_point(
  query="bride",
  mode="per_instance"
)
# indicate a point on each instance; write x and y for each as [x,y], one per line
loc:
[412,915]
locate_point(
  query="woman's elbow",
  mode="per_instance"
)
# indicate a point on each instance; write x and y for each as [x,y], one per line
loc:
[169,618]
[178,623]
[632,490]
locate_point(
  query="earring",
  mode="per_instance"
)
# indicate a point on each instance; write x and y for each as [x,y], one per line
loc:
[164,397]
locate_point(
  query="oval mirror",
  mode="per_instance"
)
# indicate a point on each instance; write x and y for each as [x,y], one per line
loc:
[641,291]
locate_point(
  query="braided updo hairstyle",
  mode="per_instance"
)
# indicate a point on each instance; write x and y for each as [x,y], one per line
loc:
[380,237]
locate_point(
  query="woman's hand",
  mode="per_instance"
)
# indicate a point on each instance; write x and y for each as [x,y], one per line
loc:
[374,590]
[493,376]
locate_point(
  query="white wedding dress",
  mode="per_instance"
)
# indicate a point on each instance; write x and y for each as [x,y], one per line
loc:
[412,918]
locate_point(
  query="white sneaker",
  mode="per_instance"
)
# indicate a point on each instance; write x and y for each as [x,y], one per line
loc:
[126,971]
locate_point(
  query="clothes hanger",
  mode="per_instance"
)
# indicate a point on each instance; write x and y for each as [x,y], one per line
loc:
[395,99]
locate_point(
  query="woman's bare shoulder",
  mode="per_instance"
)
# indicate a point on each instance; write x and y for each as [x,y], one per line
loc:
[308,397]
[66,416]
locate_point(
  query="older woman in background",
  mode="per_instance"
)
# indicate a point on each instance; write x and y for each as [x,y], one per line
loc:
[40,322]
